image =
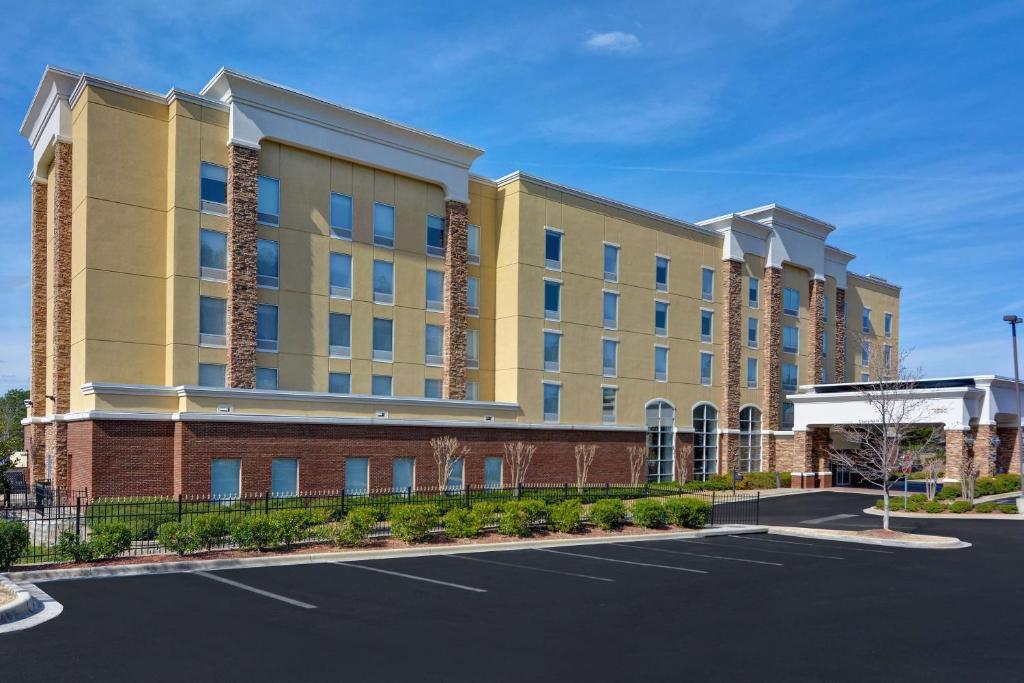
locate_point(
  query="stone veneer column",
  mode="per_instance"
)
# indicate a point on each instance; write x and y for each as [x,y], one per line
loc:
[732,286]
[243,170]
[60,373]
[37,371]
[1009,449]
[839,344]
[771,368]
[455,300]
[810,459]
[815,362]
[955,448]
[983,450]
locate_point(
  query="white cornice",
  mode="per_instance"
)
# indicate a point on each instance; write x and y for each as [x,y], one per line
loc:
[875,281]
[777,214]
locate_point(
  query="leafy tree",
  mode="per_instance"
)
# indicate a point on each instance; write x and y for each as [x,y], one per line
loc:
[12,410]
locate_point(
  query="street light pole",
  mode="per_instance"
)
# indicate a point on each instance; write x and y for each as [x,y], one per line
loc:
[1014,320]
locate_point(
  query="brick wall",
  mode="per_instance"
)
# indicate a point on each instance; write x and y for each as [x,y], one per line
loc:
[456,292]
[243,193]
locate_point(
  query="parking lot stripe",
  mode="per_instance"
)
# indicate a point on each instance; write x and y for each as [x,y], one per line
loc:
[830,518]
[411,576]
[765,550]
[637,546]
[609,559]
[814,545]
[524,566]
[253,589]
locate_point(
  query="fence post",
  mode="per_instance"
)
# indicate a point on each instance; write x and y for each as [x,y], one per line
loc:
[757,508]
[606,489]
[468,503]
[408,493]
[519,490]
[179,508]
[78,517]
[266,503]
[565,491]
[712,508]
[342,502]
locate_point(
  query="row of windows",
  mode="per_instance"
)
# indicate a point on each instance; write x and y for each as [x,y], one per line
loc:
[213,199]
[868,328]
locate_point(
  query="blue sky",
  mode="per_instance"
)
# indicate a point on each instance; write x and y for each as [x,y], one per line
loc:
[898,122]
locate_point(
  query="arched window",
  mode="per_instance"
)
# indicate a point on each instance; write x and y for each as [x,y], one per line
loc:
[705,441]
[661,419]
[750,440]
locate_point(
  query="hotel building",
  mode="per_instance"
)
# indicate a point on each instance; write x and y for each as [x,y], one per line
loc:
[250,288]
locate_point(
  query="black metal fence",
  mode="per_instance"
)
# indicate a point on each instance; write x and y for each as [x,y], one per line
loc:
[52,515]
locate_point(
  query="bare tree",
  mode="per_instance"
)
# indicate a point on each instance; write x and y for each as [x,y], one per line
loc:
[879,440]
[637,463]
[933,465]
[518,456]
[584,459]
[970,470]
[447,452]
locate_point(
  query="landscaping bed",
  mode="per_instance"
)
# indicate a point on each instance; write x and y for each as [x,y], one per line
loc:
[919,502]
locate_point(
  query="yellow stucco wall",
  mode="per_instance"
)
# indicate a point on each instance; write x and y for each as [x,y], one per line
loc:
[881,299]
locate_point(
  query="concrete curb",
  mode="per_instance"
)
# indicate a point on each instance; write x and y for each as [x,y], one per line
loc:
[43,575]
[932,542]
[22,606]
[45,608]
[940,515]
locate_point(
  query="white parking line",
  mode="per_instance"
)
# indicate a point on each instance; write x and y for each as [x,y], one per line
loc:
[411,576]
[830,518]
[637,546]
[813,545]
[765,550]
[524,566]
[608,559]
[253,589]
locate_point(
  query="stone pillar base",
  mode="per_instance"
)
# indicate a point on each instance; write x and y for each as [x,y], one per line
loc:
[811,480]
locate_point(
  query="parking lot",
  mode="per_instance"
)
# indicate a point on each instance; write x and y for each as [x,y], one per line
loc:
[735,607]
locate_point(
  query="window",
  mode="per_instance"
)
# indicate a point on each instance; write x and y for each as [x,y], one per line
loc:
[434,345]
[456,475]
[706,325]
[472,349]
[473,243]
[340,335]
[212,321]
[435,236]
[661,363]
[266,378]
[213,255]
[403,471]
[435,290]
[383,348]
[432,388]
[608,405]
[750,440]
[268,202]
[225,477]
[341,216]
[824,375]
[887,357]
[609,357]
[611,310]
[706,361]
[660,441]
[888,325]
[339,383]
[789,379]
[705,441]
[357,475]
[865,353]
[213,188]
[824,308]
[661,318]
[751,373]
[266,328]
[552,351]
[492,471]
[552,249]
[552,300]
[472,391]
[380,385]
[866,320]
[824,343]
[473,296]
[752,332]
[865,377]
[268,261]
[341,275]
[383,282]
[284,477]
[754,293]
[790,339]
[611,263]
[791,301]
[551,396]
[707,284]
[384,225]
[787,415]
[661,273]
[212,374]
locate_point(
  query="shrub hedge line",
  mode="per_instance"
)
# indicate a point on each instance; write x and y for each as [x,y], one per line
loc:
[918,502]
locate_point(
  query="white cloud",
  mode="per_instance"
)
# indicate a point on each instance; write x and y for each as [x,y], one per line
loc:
[613,41]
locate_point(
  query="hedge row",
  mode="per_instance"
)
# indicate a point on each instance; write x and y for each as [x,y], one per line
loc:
[918,502]
[985,486]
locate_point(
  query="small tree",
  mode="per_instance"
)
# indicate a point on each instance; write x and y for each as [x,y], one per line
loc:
[518,456]
[584,459]
[447,452]
[933,466]
[637,463]
[970,470]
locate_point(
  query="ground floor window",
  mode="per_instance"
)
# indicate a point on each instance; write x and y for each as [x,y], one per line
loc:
[225,477]
[455,477]
[357,475]
[660,441]
[403,471]
[705,441]
[492,472]
[284,477]
[750,440]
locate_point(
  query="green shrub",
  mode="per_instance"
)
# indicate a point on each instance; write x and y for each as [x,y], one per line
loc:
[14,540]
[256,532]
[461,523]
[292,526]
[916,505]
[143,516]
[515,520]
[414,523]
[985,508]
[353,529]
[486,514]
[1007,509]
[934,507]
[567,516]
[918,497]
[949,491]
[536,508]
[110,540]
[71,547]
[649,513]
[691,513]
[608,513]
[960,507]
[208,530]
[177,538]
[786,479]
